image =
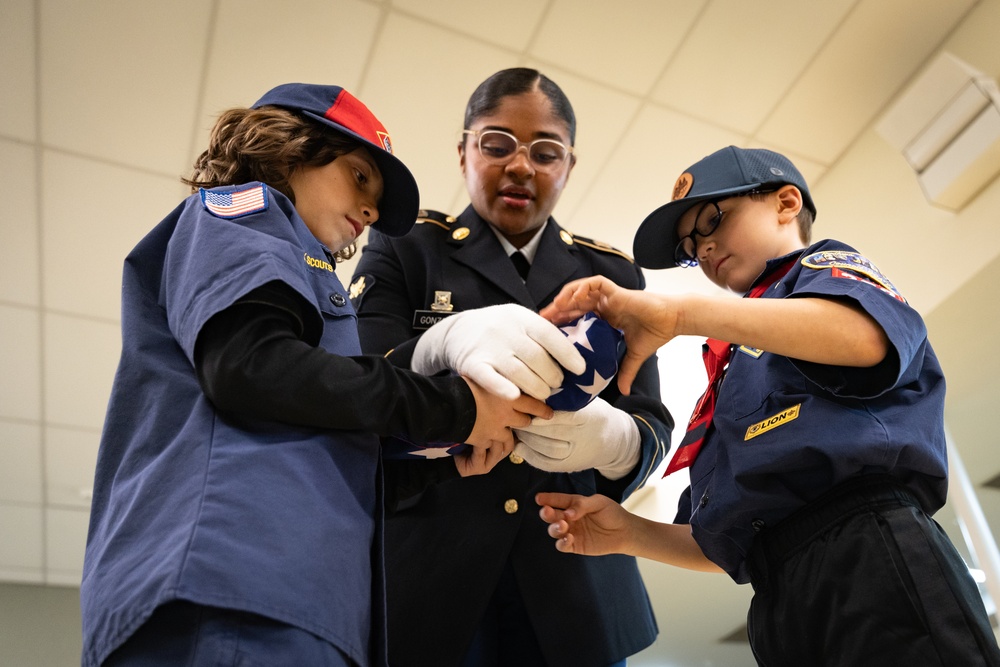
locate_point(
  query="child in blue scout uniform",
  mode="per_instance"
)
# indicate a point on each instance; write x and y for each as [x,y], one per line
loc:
[490,597]
[816,475]
[237,498]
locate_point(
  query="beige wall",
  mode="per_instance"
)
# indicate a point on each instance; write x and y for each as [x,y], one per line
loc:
[39,626]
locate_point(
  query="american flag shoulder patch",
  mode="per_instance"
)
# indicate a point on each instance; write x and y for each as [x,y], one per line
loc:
[237,202]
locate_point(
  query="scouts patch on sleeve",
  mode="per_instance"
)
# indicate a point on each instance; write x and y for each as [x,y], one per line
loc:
[852,266]
[235,203]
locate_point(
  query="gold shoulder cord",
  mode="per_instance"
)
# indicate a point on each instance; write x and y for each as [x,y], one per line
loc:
[603,247]
[436,218]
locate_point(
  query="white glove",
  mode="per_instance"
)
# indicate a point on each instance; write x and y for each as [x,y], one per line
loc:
[506,349]
[595,436]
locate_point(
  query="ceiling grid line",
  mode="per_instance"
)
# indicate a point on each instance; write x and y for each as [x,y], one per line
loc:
[195,147]
[40,290]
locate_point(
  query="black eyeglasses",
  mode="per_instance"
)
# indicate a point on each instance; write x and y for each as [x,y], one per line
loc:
[686,252]
[499,148]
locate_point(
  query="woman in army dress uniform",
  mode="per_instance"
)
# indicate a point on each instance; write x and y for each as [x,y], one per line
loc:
[472,578]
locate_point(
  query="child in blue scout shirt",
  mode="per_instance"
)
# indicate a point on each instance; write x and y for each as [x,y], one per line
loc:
[817,453]
[237,499]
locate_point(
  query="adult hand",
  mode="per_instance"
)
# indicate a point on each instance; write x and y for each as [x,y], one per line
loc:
[496,416]
[647,320]
[590,525]
[506,349]
[597,435]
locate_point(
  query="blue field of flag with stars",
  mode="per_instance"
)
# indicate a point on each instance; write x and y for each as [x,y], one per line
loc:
[602,347]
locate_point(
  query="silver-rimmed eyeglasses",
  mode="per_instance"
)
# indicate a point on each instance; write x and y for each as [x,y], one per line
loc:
[705,223]
[499,148]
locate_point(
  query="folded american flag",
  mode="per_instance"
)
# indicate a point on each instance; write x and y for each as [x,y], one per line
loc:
[602,347]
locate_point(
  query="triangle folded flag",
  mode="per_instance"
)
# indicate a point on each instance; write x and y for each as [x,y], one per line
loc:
[602,347]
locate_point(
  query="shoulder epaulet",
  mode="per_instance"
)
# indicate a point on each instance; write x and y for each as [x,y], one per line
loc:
[598,245]
[442,220]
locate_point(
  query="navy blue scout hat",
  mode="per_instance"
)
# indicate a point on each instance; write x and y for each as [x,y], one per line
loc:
[725,173]
[337,108]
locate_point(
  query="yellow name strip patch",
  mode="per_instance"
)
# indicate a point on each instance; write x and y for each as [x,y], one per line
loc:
[777,420]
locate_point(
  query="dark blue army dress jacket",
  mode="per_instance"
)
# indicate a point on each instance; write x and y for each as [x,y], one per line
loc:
[447,543]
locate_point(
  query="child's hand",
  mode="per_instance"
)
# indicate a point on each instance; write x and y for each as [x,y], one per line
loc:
[496,416]
[648,320]
[480,460]
[590,525]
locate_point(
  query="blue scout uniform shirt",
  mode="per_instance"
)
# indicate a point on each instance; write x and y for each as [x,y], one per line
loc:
[785,431]
[274,519]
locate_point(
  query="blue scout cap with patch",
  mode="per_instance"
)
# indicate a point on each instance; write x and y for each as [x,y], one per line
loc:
[725,173]
[335,107]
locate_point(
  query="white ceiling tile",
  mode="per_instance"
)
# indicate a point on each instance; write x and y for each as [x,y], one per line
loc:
[120,205]
[899,232]
[119,80]
[625,48]
[70,461]
[21,548]
[510,29]
[21,471]
[250,51]
[66,542]
[640,175]
[19,277]
[741,58]
[859,70]
[975,39]
[80,360]
[20,363]
[17,69]
[422,109]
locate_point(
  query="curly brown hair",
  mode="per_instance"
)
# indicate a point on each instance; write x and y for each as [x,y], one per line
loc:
[267,145]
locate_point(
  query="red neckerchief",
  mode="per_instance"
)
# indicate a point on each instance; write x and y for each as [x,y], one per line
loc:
[716,356]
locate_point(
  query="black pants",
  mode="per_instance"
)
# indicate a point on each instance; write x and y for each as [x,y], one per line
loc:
[863,576]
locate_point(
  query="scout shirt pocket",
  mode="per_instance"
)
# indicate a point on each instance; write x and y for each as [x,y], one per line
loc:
[761,397]
[340,320]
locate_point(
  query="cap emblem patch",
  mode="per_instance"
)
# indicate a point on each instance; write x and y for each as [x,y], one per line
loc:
[386,141]
[683,186]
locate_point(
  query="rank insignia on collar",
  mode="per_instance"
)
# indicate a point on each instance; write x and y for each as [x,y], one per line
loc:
[442,302]
[357,287]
